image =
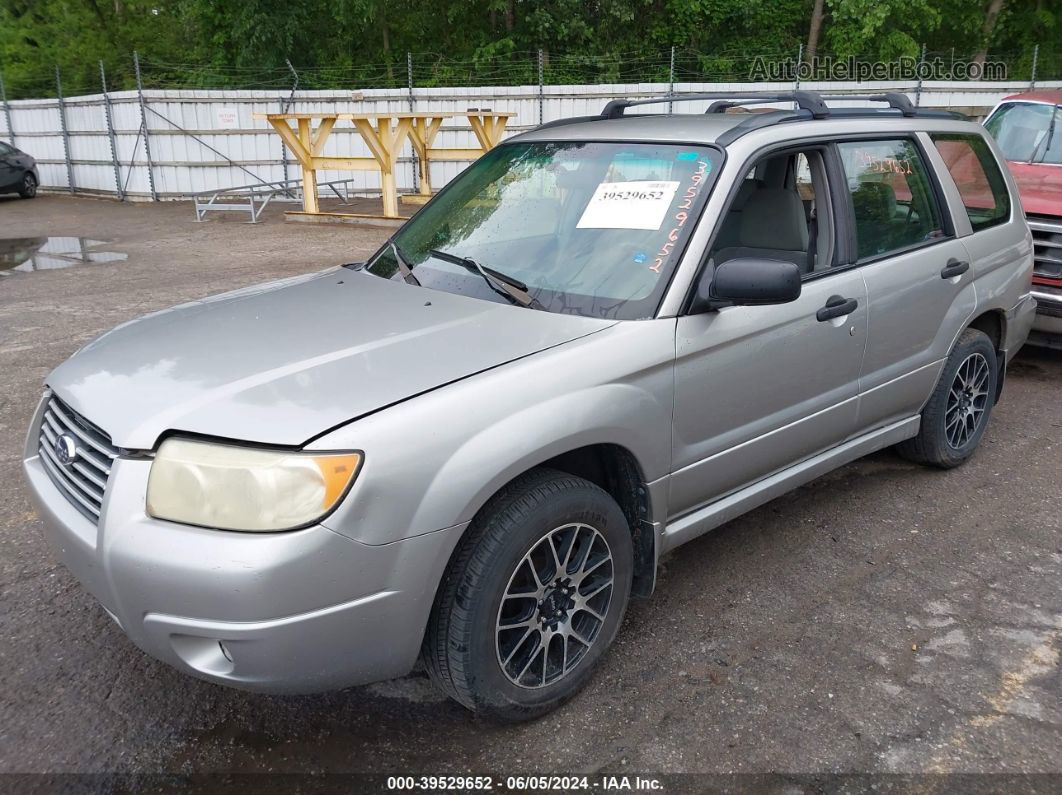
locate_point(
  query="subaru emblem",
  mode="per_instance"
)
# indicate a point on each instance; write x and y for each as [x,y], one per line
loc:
[65,449]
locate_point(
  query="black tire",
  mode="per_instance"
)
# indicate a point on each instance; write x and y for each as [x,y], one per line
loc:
[27,189]
[941,441]
[466,637]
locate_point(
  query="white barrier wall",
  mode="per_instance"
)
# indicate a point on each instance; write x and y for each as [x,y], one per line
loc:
[223,121]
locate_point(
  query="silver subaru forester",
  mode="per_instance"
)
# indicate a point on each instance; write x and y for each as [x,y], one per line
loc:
[606,337]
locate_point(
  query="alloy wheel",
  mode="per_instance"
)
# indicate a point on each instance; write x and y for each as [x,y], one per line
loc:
[29,186]
[554,605]
[967,400]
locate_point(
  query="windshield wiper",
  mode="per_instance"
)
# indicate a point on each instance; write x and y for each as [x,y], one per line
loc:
[1050,135]
[501,283]
[403,265]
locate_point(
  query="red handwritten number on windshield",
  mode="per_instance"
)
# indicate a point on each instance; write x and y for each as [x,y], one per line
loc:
[681,216]
[873,164]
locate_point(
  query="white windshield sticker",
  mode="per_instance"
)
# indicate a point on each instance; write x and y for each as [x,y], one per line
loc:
[628,205]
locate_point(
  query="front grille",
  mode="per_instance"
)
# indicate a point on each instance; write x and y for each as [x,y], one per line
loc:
[1047,243]
[84,479]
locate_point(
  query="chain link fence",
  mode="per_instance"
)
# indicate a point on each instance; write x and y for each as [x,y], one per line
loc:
[541,67]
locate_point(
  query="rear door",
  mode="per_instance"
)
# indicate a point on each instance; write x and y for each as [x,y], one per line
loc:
[919,284]
[997,243]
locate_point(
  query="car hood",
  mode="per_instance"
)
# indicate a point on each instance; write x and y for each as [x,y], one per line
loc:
[283,362]
[1040,187]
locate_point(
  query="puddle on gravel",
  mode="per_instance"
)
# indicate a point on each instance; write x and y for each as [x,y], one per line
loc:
[27,254]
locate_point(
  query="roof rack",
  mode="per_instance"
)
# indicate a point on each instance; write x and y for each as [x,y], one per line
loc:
[813,103]
[809,105]
[896,100]
[805,100]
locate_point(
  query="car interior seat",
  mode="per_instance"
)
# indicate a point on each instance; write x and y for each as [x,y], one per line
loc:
[773,226]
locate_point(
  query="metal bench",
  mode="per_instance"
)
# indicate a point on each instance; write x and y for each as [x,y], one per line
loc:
[252,199]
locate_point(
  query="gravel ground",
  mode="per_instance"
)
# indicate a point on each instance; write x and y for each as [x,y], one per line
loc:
[883,619]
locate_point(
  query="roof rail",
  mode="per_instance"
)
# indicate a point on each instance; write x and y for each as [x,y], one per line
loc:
[805,100]
[810,101]
[895,99]
[809,105]
[756,121]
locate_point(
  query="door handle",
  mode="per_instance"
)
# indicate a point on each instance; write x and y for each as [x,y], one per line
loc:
[836,306]
[954,268]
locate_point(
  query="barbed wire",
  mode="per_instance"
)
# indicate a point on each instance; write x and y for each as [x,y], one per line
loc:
[432,69]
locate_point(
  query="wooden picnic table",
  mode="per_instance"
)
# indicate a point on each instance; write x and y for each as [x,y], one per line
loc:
[384,134]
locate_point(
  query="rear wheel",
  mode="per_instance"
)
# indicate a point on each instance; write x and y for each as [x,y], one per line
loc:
[533,597]
[28,188]
[955,418]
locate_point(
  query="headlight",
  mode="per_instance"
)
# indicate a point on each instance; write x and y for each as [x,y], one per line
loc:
[244,488]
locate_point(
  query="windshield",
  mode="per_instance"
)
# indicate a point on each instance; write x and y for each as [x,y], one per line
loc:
[588,228]
[1028,132]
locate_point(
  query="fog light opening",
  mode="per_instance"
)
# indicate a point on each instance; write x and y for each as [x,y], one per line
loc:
[207,655]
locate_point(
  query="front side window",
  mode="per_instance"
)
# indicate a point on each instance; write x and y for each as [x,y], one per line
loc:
[780,211]
[892,197]
[1028,132]
[977,176]
[587,228]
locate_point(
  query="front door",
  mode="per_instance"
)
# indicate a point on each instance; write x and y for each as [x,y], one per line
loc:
[758,388]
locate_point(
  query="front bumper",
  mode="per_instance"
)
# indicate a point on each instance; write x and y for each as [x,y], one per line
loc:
[1047,327]
[293,612]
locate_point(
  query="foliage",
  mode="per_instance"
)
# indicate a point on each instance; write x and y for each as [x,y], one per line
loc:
[363,43]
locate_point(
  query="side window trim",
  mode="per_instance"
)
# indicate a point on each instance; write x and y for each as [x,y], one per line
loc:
[824,212]
[843,210]
[956,212]
[944,207]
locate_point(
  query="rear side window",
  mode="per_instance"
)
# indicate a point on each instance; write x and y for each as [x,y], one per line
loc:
[893,201]
[977,176]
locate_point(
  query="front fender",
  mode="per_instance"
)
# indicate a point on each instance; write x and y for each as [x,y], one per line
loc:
[620,414]
[434,460]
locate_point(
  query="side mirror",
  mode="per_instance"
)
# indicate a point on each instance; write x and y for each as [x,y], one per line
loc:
[749,280]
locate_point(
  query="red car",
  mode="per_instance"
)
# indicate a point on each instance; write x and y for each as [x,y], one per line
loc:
[1028,128]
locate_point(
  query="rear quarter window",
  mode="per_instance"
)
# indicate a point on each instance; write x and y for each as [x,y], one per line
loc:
[977,176]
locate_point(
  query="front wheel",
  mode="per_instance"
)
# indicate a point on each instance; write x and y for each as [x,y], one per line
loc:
[955,418]
[28,188]
[533,597]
